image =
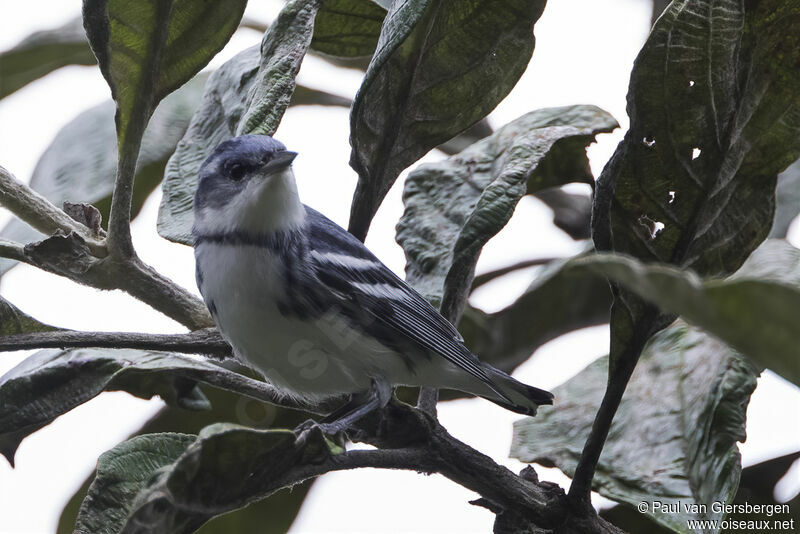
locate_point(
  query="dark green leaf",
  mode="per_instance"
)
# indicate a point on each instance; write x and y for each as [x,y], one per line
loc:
[755,310]
[15,321]
[275,514]
[455,206]
[41,53]
[218,118]
[282,51]
[121,473]
[227,467]
[146,50]
[561,299]
[440,66]
[572,212]
[755,487]
[80,163]
[674,437]
[51,383]
[714,112]
[787,206]
[348,28]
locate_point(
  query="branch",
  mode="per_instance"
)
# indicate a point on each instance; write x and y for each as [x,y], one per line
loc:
[13,251]
[487,277]
[208,342]
[41,214]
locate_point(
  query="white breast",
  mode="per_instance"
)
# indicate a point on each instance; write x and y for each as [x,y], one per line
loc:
[243,285]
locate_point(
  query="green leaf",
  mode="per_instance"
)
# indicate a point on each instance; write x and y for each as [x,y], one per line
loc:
[80,163]
[560,299]
[274,514]
[121,473]
[227,467]
[440,66]
[282,51]
[41,53]
[787,206]
[348,28]
[146,50]
[714,113]
[51,383]
[674,437]
[455,206]
[15,321]
[755,487]
[754,311]
[225,102]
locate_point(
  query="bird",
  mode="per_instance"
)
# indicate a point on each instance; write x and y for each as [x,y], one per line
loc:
[306,304]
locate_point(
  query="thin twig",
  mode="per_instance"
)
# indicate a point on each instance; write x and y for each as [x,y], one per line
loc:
[208,342]
[40,213]
[485,278]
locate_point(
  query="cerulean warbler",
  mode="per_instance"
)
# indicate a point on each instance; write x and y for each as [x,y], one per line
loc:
[309,307]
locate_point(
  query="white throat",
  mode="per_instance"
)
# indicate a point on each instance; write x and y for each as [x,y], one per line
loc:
[267,204]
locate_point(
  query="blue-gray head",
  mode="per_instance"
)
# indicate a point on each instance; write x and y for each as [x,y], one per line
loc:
[247,184]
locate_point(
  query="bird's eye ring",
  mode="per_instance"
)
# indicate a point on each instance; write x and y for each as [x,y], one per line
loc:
[236,172]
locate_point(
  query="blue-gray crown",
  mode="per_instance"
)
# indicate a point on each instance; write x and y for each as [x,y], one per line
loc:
[223,174]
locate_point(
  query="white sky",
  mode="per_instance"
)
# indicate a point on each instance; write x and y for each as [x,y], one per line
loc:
[584,52]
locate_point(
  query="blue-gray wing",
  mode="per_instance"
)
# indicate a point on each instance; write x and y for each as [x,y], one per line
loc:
[379,301]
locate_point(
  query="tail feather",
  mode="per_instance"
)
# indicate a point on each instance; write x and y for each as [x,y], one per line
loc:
[513,395]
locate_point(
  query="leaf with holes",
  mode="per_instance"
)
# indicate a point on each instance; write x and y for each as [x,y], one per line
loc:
[455,206]
[674,437]
[41,53]
[440,66]
[715,115]
[80,163]
[51,383]
[226,467]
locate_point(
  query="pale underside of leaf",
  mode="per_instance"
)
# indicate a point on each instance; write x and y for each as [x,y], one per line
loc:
[674,437]
[50,383]
[455,206]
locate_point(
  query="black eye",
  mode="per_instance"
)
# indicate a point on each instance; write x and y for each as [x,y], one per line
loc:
[236,171]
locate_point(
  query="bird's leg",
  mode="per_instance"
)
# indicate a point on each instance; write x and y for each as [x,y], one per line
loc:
[341,419]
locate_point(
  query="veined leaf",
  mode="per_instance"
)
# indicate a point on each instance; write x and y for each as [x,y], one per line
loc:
[282,51]
[148,49]
[787,196]
[41,53]
[754,311]
[121,473]
[15,321]
[715,115]
[348,28]
[51,383]
[226,101]
[674,437]
[80,164]
[273,515]
[440,66]
[226,467]
[455,206]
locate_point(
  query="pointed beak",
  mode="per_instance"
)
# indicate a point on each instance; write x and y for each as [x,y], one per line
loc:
[280,161]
